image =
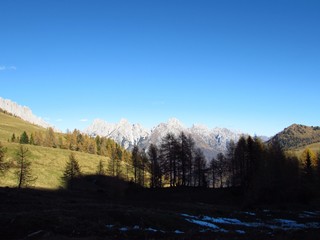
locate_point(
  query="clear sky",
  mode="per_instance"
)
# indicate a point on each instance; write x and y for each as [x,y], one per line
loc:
[252,66]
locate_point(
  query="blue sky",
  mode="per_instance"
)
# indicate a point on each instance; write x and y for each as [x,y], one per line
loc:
[252,66]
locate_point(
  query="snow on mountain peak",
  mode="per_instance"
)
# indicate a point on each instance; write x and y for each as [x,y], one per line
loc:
[211,141]
[123,132]
[174,122]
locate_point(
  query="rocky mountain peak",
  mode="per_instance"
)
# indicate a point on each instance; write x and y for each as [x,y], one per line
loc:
[23,112]
[211,141]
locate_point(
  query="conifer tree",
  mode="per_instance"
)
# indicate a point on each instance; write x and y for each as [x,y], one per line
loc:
[155,171]
[101,168]
[24,173]
[72,171]
[308,168]
[136,158]
[24,139]
[13,138]
[200,169]
[212,172]
[3,164]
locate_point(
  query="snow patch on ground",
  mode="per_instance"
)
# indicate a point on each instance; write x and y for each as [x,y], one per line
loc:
[240,232]
[281,224]
[203,224]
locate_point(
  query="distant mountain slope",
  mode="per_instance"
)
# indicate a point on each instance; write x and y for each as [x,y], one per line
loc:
[296,136]
[22,112]
[10,124]
[211,141]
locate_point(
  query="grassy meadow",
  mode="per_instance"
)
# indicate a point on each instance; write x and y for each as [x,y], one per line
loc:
[47,163]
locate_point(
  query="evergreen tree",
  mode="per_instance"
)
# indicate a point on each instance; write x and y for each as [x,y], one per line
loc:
[118,159]
[200,169]
[190,160]
[308,168]
[31,139]
[136,158]
[24,139]
[318,167]
[230,158]
[212,172]
[13,138]
[3,165]
[155,171]
[240,162]
[183,152]
[169,158]
[101,168]
[24,173]
[221,168]
[72,171]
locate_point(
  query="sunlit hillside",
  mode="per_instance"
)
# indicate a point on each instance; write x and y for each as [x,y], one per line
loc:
[47,163]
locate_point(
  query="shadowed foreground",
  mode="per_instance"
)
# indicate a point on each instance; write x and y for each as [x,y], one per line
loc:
[107,208]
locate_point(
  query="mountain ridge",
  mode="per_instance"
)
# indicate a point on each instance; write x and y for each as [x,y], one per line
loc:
[210,141]
[23,112]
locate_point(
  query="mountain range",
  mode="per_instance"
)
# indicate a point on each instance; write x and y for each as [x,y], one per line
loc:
[210,141]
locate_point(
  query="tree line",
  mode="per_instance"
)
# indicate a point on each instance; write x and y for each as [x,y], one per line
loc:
[75,141]
[262,171]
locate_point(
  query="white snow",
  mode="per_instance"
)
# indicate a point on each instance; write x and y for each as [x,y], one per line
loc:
[178,232]
[211,141]
[283,224]
[151,229]
[308,214]
[231,221]
[250,213]
[203,224]
[240,232]
[124,133]
[123,229]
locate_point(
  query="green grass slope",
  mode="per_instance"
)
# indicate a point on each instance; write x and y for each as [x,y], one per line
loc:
[47,163]
[10,125]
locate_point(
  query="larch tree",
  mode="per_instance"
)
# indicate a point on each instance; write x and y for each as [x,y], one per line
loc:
[221,167]
[155,171]
[213,172]
[200,169]
[101,168]
[24,172]
[136,158]
[3,164]
[308,166]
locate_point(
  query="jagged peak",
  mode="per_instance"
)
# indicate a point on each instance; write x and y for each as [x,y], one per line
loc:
[174,122]
[124,121]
